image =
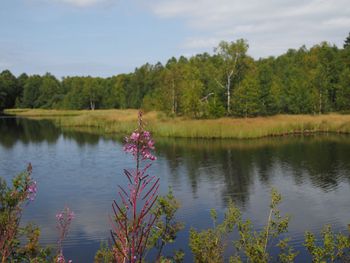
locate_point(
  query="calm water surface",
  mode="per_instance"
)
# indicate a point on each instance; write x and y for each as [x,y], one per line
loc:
[82,171]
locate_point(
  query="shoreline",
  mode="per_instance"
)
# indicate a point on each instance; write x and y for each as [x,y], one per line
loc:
[124,121]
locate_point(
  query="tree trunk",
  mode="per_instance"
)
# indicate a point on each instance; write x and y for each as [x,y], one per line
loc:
[320,103]
[228,96]
[92,105]
[228,90]
[174,100]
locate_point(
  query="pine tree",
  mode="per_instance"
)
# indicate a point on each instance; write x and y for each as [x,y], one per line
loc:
[347,42]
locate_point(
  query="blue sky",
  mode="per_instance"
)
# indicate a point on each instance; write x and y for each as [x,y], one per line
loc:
[108,37]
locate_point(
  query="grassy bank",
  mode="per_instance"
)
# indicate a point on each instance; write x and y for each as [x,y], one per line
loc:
[123,121]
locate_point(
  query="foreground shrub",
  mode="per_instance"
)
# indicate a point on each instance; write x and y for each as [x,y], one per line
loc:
[12,202]
[332,248]
[254,246]
[166,227]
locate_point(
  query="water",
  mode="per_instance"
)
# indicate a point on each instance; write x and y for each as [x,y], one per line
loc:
[82,171]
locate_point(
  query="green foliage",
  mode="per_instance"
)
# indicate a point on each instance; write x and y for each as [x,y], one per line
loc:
[269,90]
[287,253]
[12,202]
[104,254]
[251,246]
[343,100]
[333,247]
[74,98]
[247,96]
[213,108]
[254,245]
[9,90]
[347,41]
[31,91]
[209,245]
[235,63]
[115,94]
[166,227]
[191,104]
[49,92]
[229,82]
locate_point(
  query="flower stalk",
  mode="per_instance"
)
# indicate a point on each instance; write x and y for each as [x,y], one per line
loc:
[132,221]
[64,220]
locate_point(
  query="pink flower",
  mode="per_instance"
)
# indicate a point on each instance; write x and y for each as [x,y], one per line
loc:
[59,216]
[60,259]
[135,136]
[66,215]
[71,215]
[147,135]
[32,190]
[150,144]
[140,144]
[130,148]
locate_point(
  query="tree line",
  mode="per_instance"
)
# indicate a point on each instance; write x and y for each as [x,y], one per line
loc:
[228,82]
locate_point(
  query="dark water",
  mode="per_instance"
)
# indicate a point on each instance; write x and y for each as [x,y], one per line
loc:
[82,171]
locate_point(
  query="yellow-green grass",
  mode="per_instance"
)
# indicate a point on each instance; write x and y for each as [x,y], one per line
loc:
[124,121]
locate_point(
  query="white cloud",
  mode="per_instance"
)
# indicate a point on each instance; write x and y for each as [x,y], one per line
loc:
[200,42]
[270,26]
[338,22]
[83,3]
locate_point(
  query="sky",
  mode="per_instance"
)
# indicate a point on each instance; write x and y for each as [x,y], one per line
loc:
[109,37]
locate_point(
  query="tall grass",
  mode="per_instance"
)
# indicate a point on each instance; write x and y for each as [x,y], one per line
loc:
[122,121]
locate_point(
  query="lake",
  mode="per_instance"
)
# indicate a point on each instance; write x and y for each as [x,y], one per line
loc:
[82,171]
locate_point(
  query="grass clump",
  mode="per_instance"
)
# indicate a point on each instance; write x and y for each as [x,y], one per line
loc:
[122,121]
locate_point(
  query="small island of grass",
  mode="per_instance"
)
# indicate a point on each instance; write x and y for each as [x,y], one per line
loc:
[122,121]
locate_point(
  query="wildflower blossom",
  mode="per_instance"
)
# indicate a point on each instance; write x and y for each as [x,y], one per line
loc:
[132,220]
[32,190]
[64,219]
[60,259]
[140,144]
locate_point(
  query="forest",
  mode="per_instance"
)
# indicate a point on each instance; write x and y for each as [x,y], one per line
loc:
[228,82]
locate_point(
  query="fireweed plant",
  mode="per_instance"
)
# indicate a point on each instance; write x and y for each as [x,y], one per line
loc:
[12,203]
[64,219]
[133,220]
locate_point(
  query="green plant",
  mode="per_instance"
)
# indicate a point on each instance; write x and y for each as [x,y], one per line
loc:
[12,202]
[104,254]
[209,245]
[252,246]
[166,226]
[132,221]
[333,247]
[164,231]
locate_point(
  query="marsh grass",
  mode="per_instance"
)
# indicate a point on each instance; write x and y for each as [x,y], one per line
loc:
[122,121]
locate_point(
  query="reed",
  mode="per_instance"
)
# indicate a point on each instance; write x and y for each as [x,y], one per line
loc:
[122,121]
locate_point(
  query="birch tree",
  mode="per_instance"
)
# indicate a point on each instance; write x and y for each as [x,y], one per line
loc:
[233,55]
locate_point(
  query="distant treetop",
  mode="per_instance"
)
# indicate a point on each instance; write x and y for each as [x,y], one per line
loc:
[347,41]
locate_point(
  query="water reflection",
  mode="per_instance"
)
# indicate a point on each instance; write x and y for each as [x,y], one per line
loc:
[13,130]
[82,170]
[323,160]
